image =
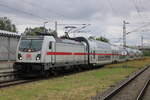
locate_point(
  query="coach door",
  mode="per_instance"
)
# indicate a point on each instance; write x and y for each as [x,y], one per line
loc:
[93,56]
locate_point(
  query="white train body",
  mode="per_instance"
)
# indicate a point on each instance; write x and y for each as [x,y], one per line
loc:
[50,52]
[44,53]
[100,52]
[119,53]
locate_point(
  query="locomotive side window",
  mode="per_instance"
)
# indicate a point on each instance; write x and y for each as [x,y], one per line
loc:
[50,45]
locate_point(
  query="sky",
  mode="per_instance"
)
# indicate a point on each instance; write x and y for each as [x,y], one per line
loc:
[104,16]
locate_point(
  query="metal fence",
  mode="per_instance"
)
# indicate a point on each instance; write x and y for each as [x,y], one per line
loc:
[8,45]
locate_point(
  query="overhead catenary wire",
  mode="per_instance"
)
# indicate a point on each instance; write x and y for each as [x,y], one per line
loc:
[21,11]
[111,6]
[117,39]
[43,7]
[139,28]
[137,8]
[136,5]
[138,12]
[35,16]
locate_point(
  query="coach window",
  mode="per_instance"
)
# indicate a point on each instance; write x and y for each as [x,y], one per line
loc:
[50,45]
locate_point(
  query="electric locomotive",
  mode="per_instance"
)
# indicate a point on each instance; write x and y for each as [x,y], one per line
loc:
[41,54]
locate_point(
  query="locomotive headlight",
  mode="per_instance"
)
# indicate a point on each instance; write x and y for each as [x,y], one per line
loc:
[38,57]
[19,56]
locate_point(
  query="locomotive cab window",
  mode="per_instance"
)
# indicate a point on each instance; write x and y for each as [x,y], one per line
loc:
[30,44]
[50,45]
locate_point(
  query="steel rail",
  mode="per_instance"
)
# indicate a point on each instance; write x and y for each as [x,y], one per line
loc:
[7,74]
[142,92]
[17,82]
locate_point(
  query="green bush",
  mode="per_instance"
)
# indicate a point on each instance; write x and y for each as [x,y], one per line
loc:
[146,53]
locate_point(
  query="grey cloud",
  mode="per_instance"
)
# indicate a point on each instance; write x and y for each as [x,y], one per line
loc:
[101,13]
[75,9]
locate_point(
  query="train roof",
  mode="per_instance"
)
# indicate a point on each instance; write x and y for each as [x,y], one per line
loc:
[10,34]
[32,37]
[58,40]
[98,44]
[69,41]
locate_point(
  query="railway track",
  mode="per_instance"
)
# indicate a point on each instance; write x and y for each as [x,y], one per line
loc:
[16,82]
[7,76]
[3,74]
[11,83]
[9,79]
[135,88]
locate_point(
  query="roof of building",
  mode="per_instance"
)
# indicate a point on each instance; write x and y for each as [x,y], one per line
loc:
[7,33]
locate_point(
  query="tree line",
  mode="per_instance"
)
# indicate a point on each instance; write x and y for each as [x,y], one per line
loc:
[6,24]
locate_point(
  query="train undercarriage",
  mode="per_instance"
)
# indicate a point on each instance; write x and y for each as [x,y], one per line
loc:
[40,69]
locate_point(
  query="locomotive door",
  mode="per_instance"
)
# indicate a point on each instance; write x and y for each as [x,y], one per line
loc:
[53,50]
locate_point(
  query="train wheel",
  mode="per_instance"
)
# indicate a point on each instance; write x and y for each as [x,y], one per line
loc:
[46,74]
